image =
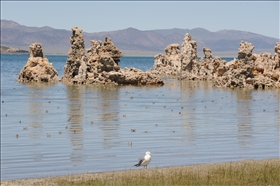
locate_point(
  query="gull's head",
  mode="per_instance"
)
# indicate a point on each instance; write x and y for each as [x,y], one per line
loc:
[148,153]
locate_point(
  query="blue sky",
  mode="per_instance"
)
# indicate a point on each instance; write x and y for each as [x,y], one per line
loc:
[93,16]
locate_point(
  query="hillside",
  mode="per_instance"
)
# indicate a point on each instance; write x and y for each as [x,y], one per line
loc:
[11,50]
[133,41]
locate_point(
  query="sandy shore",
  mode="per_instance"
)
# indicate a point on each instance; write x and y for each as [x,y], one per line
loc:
[202,168]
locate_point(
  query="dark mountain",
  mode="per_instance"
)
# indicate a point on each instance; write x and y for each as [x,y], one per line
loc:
[132,41]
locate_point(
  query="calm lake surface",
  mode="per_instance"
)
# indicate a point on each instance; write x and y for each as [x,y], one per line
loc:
[85,129]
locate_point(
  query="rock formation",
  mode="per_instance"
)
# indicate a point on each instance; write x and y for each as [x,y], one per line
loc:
[178,63]
[245,50]
[207,54]
[276,56]
[110,49]
[257,71]
[74,68]
[102,67]
[209,68]
[38,68]
[170,63]
[100,64]
[189,54]
[95,46]
[173,56]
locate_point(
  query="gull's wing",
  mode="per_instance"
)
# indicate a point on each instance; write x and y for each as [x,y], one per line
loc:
[141,160]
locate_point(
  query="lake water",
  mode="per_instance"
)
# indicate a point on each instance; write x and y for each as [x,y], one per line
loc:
[50,130]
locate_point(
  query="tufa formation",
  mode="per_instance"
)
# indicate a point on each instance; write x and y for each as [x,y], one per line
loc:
[169,64]
[258,71]
[38,68]
[100,64]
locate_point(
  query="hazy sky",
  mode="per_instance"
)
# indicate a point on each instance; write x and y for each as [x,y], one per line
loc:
[258,17]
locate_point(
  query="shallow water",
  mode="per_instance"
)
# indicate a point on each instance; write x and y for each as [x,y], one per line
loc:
[77,129]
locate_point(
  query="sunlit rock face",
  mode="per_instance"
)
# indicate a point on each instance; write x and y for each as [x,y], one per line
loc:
[189,54]
[245,50]
[276,56]
[75,68]
[170,63]
[100,64]
[37,67]
[258,71]
[109,48]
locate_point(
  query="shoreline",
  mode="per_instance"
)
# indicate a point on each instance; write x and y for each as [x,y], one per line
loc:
[201,169]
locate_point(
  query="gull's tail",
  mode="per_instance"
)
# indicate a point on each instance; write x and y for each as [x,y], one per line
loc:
[137,165]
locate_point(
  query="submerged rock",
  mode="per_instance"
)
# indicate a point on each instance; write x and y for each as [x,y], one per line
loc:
[100,64]
[38,68]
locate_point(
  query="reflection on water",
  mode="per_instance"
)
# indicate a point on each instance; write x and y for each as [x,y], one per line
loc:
[187,92]
[55,129]
[243,107]
[35,113]
[36,93]
[35,110]
[108,114]
[77,129]
[75,96]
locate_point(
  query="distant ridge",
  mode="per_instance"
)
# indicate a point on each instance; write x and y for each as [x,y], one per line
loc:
[134,42]
[11,50]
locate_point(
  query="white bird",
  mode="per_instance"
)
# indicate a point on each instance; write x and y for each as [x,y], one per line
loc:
[144,161]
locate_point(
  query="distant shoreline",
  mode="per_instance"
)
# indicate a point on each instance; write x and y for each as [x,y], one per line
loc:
[18,53]
[12,50]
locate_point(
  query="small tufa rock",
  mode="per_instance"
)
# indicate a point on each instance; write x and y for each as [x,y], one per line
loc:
[38,68]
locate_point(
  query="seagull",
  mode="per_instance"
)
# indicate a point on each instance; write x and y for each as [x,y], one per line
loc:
[144,161]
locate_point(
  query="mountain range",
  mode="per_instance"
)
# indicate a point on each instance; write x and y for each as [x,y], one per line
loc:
[134,42]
